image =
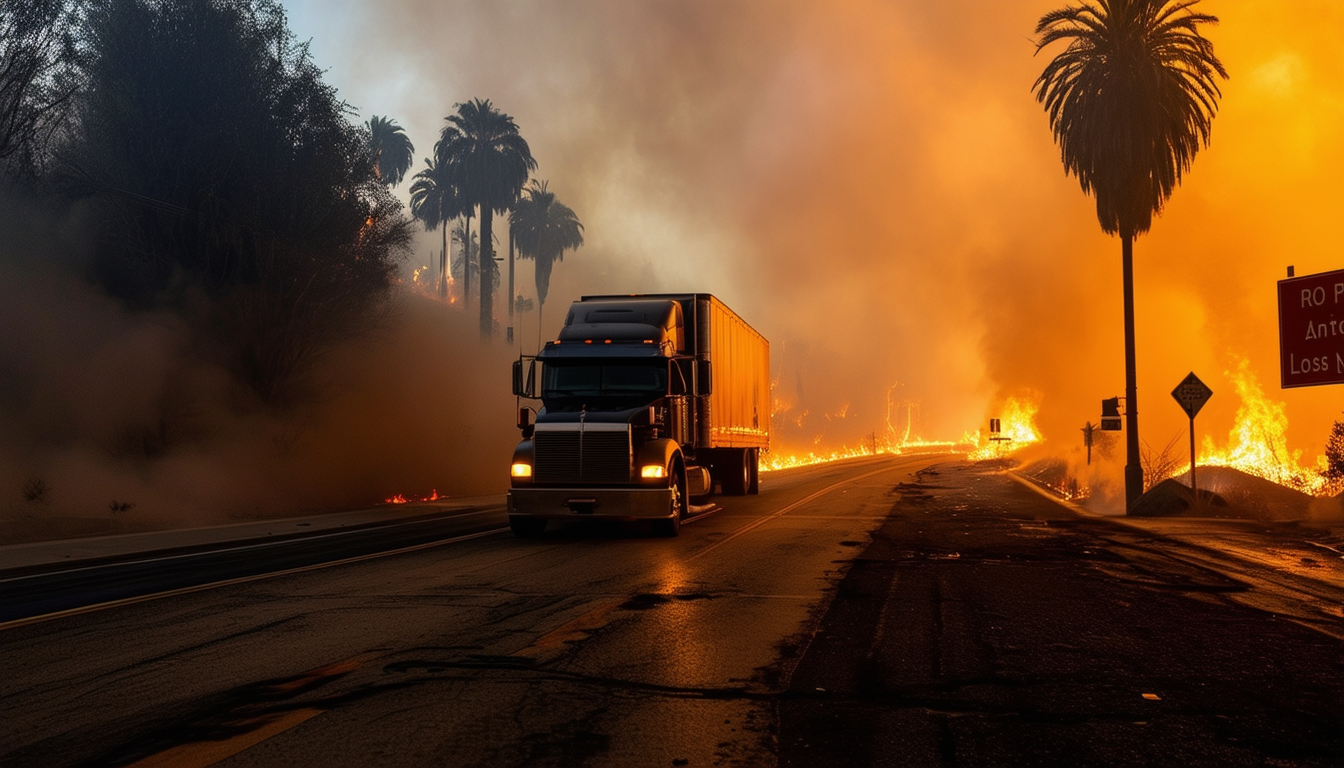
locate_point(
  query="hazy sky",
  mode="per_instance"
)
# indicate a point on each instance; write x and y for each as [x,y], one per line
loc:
[873,186]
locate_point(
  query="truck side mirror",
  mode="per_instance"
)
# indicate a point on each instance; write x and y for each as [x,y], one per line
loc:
[525,386]
[527,422]
[704,381]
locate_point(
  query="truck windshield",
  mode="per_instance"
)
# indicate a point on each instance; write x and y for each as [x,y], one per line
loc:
[621,380]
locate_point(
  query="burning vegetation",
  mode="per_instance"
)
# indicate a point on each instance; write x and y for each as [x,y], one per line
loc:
[1258,443]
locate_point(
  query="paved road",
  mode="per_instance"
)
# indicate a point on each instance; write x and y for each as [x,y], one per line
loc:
[592,644]
[852,614]
[115,568]
[983,627]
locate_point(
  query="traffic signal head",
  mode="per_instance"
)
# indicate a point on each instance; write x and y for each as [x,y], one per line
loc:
[1110,414]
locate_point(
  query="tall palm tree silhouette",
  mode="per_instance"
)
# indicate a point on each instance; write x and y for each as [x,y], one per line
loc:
[489,161]
[436,201]
[1131,99]
[544,228]
[392,149]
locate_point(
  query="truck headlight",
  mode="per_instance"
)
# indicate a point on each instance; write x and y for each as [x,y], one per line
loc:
[521,469]
[653,471]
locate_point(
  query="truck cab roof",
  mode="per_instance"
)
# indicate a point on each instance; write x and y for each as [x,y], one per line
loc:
[652,324]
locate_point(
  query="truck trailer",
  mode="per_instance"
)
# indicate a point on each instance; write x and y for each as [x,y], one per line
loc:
[647,401]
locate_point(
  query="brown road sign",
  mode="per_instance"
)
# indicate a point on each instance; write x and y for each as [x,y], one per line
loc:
[1311,330]
[1192,394]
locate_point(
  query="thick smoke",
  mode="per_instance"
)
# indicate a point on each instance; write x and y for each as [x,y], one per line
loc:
[114,421]
[874,187]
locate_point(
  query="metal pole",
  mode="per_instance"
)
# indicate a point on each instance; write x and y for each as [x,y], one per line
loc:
[1194,489]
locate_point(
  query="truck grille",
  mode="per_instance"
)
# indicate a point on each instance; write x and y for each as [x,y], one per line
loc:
[570,457]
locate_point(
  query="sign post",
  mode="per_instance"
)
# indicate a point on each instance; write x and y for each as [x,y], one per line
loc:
[1192,394]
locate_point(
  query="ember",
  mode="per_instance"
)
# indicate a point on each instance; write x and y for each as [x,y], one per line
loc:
[401,498]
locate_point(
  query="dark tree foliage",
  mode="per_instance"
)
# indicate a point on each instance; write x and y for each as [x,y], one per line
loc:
[1334,452]
[224,167]
[37,55]
[392,149]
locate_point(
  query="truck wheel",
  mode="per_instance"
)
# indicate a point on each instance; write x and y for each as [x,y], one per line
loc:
[737,473]
[526,527]
[672,526]
[753,471]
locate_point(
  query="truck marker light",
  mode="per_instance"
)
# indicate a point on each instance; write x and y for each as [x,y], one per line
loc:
[653,471]
[521,469]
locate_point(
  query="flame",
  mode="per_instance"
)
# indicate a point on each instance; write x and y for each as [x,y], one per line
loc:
[774,461]
[424,281]
[1018,430]
[1258,445]
[402,498]
[891,438]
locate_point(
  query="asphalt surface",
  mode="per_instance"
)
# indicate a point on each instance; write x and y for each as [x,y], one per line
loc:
[852,614]
[984,627]
[130,567]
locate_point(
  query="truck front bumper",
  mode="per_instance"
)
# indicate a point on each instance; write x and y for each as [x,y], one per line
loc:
[605,503]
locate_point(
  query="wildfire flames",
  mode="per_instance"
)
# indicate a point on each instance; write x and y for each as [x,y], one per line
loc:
[425,283]
[1017,431]
[894,438]
[1258,442]
[776,460]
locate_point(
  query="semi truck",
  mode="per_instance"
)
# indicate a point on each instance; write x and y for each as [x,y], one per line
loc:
[646,402]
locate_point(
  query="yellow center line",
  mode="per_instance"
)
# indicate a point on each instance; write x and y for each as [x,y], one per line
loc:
[575,629]
[200,754]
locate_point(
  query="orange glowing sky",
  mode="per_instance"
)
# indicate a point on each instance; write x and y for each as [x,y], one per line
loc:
[872,185]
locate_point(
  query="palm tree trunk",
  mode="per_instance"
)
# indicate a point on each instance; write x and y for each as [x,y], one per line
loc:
[1133,461]
[443,264]
[510,272]
[487,261]
[466,262]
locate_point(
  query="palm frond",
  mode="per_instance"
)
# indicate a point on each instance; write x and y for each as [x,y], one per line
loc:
[1130,100]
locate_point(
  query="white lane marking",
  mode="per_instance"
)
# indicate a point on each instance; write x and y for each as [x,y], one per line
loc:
[241,548]
[240,580]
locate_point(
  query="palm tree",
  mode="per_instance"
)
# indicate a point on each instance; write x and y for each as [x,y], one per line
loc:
[490,162]
[436,202]
[1130,100]
[392,150]
[544,228]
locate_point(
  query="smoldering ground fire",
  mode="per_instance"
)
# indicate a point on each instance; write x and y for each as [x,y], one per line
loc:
[870,184]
